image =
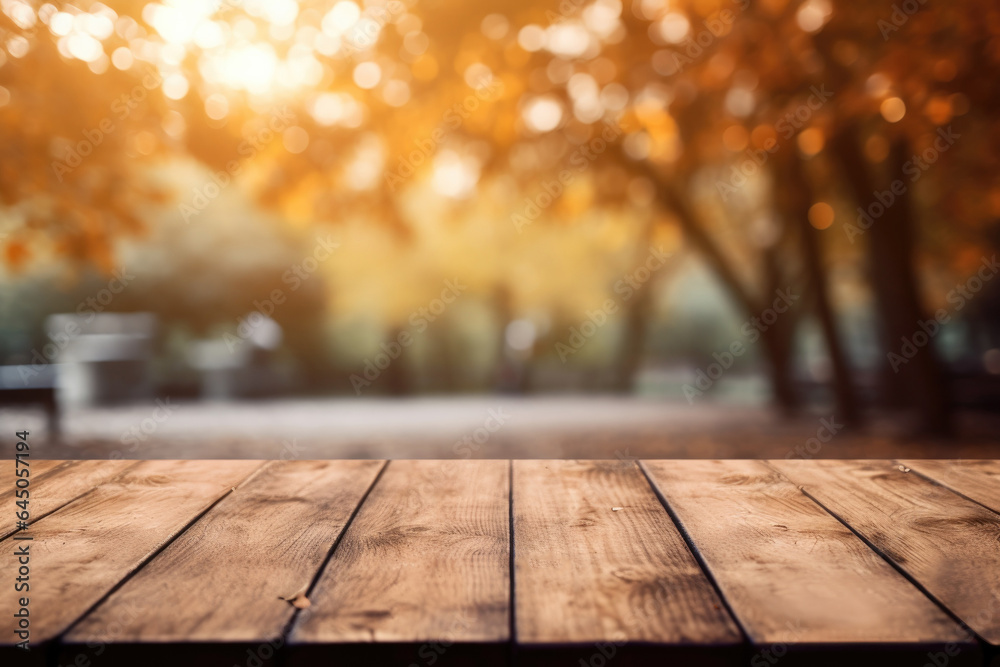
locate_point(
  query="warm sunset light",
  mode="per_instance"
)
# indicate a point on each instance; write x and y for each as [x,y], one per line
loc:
[500,332]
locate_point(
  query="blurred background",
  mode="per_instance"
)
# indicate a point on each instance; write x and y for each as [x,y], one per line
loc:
[407,228]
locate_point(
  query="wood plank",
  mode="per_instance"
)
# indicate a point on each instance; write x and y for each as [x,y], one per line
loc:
[81,552]
[36,468]
[228,578]
[60,484]
[977,479]
[591,579]
[425,560]
[793,574]
[943,541]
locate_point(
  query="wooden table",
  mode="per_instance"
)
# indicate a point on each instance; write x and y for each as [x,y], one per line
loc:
[252,563]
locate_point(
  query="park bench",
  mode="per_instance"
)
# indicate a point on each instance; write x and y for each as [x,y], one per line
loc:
[35,388]
[528,562]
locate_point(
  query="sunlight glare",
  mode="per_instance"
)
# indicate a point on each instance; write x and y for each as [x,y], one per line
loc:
[455,175]
[250,67]
[543,114]
[340,18]
[178,20]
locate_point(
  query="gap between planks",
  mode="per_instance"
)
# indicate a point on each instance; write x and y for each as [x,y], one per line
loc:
[942,542]
[512,548]
[70,479]
[211,608]
[425,560]
[170,492]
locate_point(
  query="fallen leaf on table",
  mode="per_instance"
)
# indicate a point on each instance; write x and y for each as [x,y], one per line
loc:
[298,599]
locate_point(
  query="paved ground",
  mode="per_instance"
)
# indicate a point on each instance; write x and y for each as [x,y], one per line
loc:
[480,427]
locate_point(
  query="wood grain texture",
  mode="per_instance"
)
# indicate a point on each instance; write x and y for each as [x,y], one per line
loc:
[943,541]
[171,565]
[426,559]
[229,576]
[36,468]
[589,574]
[975,479]
[791,572]
[82,551]
[60,484]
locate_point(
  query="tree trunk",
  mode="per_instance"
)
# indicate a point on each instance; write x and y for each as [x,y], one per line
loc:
[776,341]
[777,349]
[796,198]
[919,382]
[633,343]
[778,338]
[848,152]
[923,375]
[633,340]
[397,375]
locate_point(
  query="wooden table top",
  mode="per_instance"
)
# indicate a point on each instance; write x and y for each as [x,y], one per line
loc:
[487,562]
